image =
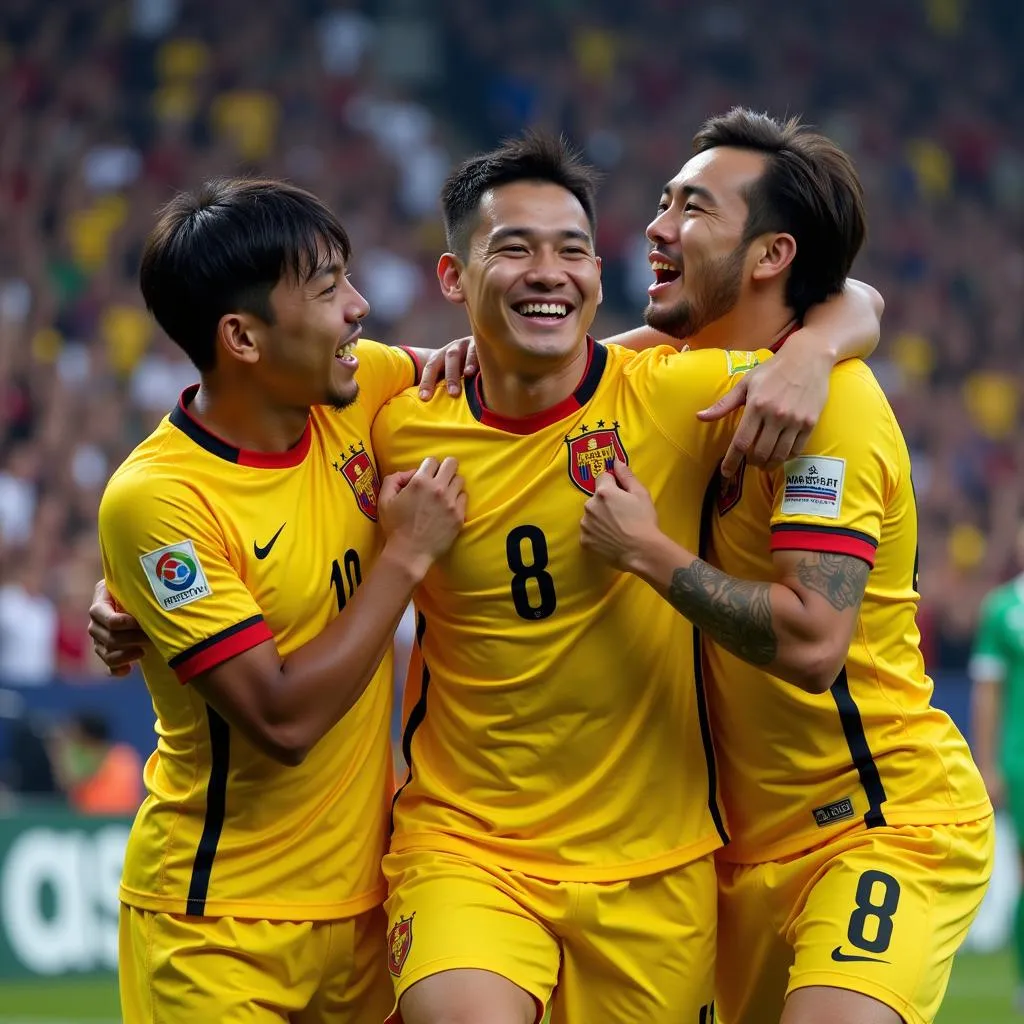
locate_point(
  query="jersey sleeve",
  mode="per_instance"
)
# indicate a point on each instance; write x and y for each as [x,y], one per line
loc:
[833,497]
[988,657]
[675,386]
[166,562]
[384,371]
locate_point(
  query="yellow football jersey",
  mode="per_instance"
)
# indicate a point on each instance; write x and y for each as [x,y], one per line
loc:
[797,768]
[214,550]
[556,723]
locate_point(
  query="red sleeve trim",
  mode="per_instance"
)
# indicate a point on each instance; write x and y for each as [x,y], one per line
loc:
[214,650]
[835,540]
[417,365]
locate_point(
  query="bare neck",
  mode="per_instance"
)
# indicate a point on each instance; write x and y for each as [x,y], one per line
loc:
[246,421]
[753,323]
[516,392]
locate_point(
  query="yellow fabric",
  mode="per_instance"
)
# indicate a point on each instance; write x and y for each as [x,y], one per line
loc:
[631,952]
[560,730]
[183,970]
[790,924]
[785,754]
[299,843]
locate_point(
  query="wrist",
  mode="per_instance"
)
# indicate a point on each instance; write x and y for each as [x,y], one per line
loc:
[404,561]
[651,553]
[817,345]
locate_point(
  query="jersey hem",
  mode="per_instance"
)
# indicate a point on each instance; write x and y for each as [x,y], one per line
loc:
[813,840]
[477,851]
[258,909]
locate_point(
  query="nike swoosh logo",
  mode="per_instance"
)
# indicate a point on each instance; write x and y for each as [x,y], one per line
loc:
[262,552]
[840,957]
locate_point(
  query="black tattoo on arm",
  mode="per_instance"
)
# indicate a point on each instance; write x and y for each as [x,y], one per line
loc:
[840,579]
[736,614]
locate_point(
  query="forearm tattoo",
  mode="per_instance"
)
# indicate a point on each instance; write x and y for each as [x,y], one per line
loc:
[840,579]
[736,614]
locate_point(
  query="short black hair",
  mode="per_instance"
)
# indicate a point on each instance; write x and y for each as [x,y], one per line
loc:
[809,189]
[532,156]
[224,247]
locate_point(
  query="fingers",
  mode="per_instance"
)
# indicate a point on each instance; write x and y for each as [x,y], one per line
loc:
[729,402]
[431,371]
[743,440]
[627,478]
[446,471]
[472,363]
[453,362]
[785,447]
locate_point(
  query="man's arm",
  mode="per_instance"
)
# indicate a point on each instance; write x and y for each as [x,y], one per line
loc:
[844,326]
[283,706]
[798,627]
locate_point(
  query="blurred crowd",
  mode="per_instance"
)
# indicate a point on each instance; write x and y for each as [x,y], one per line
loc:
[108,107]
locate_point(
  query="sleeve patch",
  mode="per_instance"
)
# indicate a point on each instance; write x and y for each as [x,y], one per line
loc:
[814,487]
[740,362]
[175,575]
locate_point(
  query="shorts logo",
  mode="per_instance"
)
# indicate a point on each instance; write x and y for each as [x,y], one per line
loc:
[175,575]
[591,452]
[360,472]
[399,944]
[730,490]
[814,487]
[838,811]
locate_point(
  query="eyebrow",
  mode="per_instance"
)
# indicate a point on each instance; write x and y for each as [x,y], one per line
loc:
[692,190]
[513,232]
[331,269]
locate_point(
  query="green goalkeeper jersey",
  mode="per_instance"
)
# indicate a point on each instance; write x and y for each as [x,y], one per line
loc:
[999,656]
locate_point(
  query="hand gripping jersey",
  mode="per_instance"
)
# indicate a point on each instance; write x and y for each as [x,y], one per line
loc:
[796,767]
[214,550]
[556,725]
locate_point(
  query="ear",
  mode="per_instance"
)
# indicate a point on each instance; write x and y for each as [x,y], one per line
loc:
[774,255]
[236,336]
[600,283]
[449,276]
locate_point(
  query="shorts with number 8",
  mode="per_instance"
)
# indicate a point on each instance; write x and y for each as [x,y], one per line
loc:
[880,911]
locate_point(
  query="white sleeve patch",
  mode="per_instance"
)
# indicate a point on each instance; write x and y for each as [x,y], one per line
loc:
[814,487]
[175,575]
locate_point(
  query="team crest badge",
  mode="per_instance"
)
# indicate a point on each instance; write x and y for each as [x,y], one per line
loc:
[358,469]
[730,490]
[591,452]
[399,944]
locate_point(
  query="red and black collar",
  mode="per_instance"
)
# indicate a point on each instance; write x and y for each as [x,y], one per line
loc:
[181,418]
[597,359]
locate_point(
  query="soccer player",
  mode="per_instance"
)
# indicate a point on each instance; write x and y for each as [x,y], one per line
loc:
[997,674]
[560,811]
[861,835]
[243,537]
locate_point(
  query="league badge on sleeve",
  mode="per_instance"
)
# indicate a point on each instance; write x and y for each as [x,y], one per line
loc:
[814,487]
[591,452]
[175,575]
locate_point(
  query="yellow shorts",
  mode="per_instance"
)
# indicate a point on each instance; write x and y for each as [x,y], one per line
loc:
[634,952]
[183,970]
[880,911]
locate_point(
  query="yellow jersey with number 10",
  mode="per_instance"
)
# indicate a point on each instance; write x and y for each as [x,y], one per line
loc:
[556,722]
[798,768]
[214,550]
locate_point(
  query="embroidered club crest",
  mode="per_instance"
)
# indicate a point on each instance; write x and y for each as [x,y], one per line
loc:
[360,472]
[399,944]
[591,452]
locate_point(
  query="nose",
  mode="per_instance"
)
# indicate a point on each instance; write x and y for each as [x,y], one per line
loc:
[660,229]
[356,307]
[546,270]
